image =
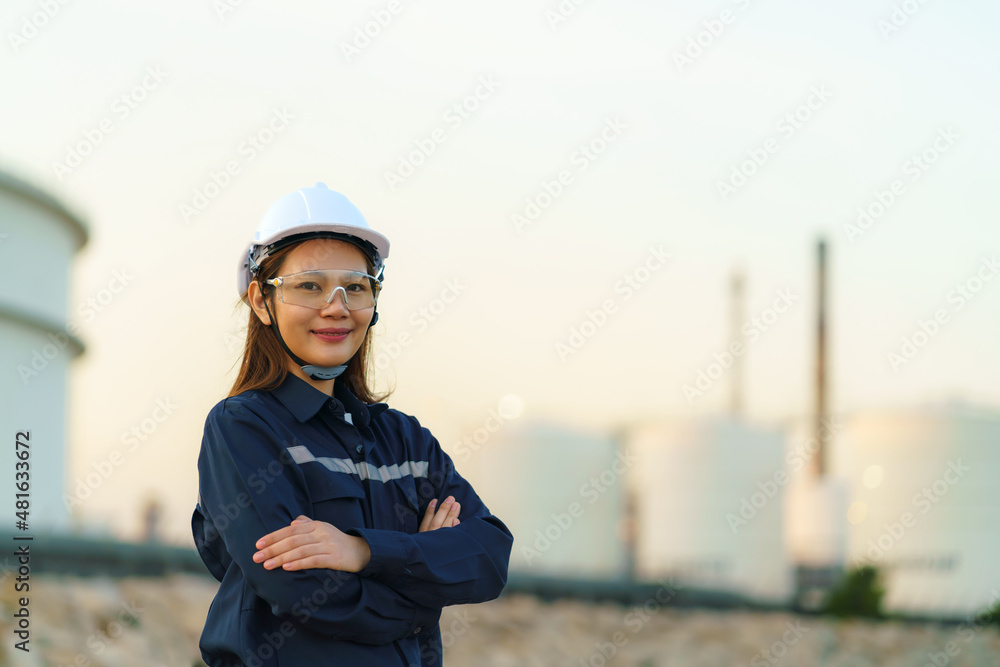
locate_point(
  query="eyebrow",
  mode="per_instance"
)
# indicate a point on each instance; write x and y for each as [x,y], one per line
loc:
[321,270]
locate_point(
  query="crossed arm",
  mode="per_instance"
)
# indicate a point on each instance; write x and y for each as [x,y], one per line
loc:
[306,544]
[458,566]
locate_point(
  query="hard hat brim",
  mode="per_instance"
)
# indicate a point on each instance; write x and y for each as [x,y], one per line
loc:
[309,211]
[380,242]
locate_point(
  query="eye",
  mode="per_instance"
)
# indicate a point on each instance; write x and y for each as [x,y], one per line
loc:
[306,287]
[356,287]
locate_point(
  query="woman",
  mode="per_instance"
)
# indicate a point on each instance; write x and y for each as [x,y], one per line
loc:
[337,526]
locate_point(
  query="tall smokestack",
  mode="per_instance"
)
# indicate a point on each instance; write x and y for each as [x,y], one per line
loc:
[819,457]
[736,321]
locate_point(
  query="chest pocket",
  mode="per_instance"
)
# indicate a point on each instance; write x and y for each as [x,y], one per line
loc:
[406,506]
[337,498]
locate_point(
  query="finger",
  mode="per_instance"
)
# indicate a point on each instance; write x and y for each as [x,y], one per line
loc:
[438,518]
[291,559]
[442,513]
[278,553]
[279,535]
[308,563]
[428,514]
[449,513]
[451,519]
[284,545]
[276,550]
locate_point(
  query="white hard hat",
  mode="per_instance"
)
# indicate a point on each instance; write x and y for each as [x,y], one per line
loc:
[312,210]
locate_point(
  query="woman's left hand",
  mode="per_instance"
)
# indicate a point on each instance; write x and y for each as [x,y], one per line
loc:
[307,544]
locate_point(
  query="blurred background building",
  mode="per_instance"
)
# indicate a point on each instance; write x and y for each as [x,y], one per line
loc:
[566,508]
[773,514]
[717,503]
[39,238]
[921,504]
[538,179]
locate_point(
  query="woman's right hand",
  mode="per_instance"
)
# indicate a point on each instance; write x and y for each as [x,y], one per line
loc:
[445,517]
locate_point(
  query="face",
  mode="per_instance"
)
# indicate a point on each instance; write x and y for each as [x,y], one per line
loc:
[299,324]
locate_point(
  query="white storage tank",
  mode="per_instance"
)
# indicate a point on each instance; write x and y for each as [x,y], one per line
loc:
[815,509]
[924,506]
[708,497]
[38,239]
[561,493]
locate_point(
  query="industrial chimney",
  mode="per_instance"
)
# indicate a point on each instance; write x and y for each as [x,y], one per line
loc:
[819,457]
[736,319]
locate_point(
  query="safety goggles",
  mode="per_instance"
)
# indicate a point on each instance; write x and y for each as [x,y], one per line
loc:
[317,289]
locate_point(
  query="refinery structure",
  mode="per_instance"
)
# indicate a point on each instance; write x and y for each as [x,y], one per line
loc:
[769,514]
[38,240]
[772,515]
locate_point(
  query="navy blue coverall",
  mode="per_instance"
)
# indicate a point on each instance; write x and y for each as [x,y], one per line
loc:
[370,470]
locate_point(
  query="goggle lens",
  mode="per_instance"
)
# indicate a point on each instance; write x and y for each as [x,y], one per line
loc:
[317,289]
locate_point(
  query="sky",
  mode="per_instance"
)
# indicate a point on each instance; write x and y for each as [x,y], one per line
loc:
[567,189]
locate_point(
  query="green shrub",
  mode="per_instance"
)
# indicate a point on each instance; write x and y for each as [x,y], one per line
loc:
[858,593]
[989,617]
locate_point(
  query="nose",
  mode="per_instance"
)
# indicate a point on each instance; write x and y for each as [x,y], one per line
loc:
[337,302]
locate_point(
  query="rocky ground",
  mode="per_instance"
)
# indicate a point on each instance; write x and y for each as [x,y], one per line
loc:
[105,622]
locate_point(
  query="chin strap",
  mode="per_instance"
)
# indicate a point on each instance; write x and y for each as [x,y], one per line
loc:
[311,370]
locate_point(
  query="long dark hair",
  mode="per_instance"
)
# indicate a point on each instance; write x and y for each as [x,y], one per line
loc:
[265,361]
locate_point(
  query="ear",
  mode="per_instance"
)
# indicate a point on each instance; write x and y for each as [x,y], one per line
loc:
[257,303]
